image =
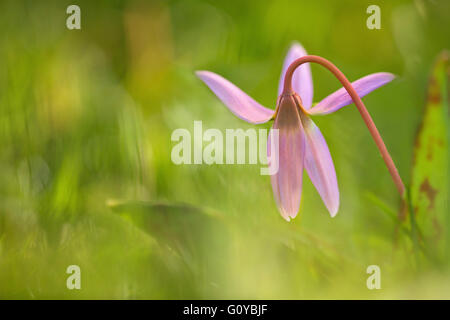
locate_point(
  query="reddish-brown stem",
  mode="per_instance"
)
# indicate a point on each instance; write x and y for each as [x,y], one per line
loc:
[359,104]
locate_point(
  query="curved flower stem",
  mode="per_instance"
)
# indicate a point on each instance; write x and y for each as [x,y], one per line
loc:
[359,104]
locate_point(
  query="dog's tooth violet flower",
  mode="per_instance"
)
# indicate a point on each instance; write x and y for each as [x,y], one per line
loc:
[301,144]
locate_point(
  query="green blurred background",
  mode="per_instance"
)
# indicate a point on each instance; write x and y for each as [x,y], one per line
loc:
[86,178]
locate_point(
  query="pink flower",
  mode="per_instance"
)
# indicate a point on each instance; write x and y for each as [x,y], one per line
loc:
[301,144]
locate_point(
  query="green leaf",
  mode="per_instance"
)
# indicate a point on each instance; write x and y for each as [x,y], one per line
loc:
[429,179]
[390,212]
[194,233]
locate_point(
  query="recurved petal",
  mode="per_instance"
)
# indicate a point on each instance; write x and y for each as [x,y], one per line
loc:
[290,149]
[235,99]
[341,98]
[301,80]
[319,165]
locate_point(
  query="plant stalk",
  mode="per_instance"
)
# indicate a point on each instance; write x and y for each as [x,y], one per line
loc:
[359,104]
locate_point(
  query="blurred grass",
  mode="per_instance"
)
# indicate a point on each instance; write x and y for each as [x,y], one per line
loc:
[86,117]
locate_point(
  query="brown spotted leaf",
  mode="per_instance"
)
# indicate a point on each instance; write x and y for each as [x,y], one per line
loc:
[429,180]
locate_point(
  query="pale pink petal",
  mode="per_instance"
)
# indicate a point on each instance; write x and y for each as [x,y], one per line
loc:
[235,99]
[301,80]
[287,182]
[341,98]
[319,165]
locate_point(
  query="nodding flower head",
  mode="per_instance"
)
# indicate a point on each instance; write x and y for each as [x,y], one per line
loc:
[301,144]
